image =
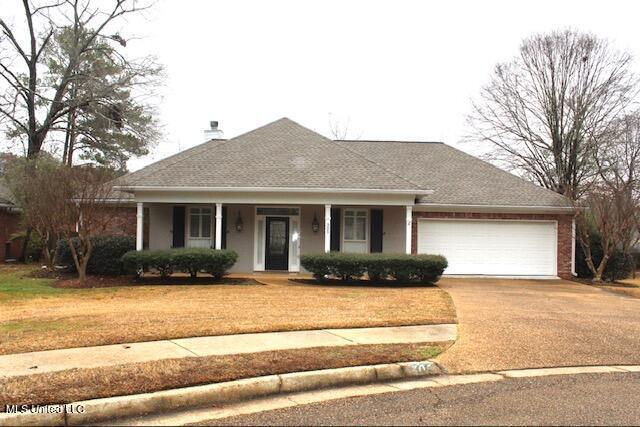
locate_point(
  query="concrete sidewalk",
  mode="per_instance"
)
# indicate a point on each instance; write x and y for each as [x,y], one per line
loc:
[109,355]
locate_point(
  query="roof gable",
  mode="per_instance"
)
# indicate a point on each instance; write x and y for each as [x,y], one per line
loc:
[286,155]
[456,178]
[281,154]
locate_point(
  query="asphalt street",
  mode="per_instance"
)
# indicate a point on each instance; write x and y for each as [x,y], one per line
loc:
[585,399]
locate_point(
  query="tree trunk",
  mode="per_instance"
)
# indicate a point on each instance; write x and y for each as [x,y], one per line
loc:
[66,139]
[35,144]
[72,137]
[82,273]
[86,255]
[46,252]
[74,254]
[597,276]
[25,245]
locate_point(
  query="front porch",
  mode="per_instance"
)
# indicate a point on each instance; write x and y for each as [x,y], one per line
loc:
[271,237]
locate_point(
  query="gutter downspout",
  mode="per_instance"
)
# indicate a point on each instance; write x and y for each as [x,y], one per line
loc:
[573,247]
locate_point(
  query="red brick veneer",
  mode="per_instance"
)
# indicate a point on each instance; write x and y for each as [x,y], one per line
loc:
[124,223]
[9,224]
[564,231]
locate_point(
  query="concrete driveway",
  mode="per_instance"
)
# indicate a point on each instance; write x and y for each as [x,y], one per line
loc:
[510,324]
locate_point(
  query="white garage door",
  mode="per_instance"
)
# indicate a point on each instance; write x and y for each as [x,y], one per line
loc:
[491,247]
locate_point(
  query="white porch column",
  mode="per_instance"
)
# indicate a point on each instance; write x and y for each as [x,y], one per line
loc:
[409,220]
[327,228]
[219,226]
[139,225]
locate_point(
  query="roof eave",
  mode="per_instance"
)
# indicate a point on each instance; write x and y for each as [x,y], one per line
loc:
[443,207]
[134,188]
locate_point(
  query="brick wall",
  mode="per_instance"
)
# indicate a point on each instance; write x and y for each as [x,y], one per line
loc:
[9,224]
[124,223]
[564,231]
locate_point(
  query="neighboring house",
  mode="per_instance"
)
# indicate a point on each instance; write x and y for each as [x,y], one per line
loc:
[283,190]
[123,222]
[9,225]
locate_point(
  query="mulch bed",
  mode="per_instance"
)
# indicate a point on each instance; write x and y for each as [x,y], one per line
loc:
[82,384]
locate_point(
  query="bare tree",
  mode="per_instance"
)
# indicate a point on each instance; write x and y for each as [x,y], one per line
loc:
[79,206]
[341,129]
[90,204]
[618,163]
[338,130]
[545,111]
[30,185]
[612,202]
[37,96]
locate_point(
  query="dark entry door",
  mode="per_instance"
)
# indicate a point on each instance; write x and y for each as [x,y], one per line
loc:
[277,243]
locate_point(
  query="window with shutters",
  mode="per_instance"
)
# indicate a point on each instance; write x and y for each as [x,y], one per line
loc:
[355,226]
[200,223]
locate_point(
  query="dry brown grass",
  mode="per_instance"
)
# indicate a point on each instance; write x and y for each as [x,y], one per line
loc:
[82,384]
[632,282]
[630,291]
[50,318]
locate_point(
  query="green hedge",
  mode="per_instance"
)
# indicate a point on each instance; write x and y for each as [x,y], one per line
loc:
[401,268]
[188,260]
[105,255]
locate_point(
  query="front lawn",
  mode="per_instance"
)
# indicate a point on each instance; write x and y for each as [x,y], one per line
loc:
[80,384]
[35,315]
[632,282]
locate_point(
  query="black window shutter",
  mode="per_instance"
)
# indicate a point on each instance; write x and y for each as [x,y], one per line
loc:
[376,230]
[224,227]
[178,226]
[335,229]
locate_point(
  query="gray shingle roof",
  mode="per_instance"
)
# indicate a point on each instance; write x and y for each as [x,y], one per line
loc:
[284,154]
[456,177]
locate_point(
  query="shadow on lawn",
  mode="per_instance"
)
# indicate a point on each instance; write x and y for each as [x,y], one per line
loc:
[108,282]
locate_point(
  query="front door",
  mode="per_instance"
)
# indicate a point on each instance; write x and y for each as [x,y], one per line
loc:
[277,243]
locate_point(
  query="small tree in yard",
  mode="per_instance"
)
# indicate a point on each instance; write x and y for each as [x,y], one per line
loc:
[610,214]
[612,208]
[62,202]
[32,185]
[88,200]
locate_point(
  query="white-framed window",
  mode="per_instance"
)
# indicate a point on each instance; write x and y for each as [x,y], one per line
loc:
[200,223]
[356,230]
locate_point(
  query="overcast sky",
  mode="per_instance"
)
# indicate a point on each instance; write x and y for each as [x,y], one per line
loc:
[390,69]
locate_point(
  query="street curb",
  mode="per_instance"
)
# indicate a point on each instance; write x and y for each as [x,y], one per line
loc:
[100,410]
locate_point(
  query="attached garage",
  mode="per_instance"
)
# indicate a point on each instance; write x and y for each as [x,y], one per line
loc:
[492,247]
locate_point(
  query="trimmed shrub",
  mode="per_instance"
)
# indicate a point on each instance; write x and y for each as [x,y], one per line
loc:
[189,260]
[401,268]
[105,256]
[219,265]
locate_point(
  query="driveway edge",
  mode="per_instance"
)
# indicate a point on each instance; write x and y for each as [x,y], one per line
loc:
[99,410]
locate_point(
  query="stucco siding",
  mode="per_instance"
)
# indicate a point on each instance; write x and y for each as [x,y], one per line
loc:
[160,225]
[393,229]
[311,242]
[160,217]
[241,242]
